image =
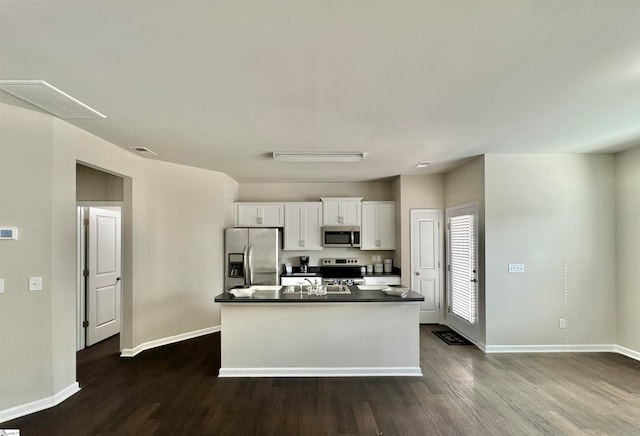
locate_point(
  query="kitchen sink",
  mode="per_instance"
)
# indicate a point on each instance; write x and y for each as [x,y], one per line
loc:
[331,289]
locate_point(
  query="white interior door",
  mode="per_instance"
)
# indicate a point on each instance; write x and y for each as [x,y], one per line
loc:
[103,279]
[426,273]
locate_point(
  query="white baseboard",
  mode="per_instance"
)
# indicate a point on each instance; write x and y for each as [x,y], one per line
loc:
[628,352]
[38,405]
[132,352]
[579,348]
[321,372]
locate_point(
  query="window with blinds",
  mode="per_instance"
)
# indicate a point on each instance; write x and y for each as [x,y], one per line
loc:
[462,267]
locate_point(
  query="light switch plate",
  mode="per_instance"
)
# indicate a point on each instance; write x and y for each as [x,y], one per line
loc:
[1,286]
[35,284]
[516,267]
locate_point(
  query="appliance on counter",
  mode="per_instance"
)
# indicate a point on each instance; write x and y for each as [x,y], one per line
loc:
[252,257]
[341,236]
[341,271]
[304,264]
[388,265]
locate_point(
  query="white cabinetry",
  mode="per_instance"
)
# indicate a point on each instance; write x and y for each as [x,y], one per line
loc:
[302,226]
[340,211]
[259,214]
[378,225]
[387,280]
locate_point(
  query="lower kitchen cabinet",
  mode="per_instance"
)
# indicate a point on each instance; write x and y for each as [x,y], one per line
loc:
[382,280]
[303,226]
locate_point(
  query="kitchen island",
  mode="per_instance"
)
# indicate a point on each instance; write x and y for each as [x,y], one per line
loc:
[273,333]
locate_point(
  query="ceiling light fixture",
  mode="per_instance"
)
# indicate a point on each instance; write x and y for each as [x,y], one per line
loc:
[51,99]
[318,156]
[423,164]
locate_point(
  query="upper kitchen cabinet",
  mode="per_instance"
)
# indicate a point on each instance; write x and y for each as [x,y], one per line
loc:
[378,225]
[259,214]
[341,211]
[302,226]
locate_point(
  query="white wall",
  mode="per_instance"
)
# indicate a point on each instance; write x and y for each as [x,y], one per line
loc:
[547,211]
[173,221]
[628,251]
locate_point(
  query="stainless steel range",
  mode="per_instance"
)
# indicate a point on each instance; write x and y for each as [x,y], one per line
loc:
[341,271]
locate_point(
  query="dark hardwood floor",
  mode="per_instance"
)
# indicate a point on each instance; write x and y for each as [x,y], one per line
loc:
[173,390]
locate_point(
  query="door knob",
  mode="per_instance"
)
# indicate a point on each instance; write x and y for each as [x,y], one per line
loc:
[417,273]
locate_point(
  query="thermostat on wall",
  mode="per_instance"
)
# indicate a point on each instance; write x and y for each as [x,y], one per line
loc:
[8,233]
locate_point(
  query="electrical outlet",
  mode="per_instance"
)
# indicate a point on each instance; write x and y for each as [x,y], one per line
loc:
[516,267]
[35,284]
[563,323]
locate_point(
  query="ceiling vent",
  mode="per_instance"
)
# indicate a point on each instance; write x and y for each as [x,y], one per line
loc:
[423,164]
[144,151]
[51,99]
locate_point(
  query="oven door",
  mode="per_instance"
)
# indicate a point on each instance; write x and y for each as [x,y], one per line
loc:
[340,236]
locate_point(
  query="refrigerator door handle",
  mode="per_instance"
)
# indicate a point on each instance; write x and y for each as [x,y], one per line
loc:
[245,265]
[250,265]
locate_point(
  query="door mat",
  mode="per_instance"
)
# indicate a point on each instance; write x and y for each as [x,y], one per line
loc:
[451,337]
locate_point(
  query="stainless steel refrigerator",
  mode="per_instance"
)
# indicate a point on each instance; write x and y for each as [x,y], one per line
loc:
[252,257]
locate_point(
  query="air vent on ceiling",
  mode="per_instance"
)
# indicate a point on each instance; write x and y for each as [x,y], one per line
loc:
[51,99]
[144,151]
[423,164]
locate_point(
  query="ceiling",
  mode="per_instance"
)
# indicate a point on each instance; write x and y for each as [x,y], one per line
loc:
[222,84]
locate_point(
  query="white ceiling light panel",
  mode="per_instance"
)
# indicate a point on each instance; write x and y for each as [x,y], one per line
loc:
[51,99]
[318,156]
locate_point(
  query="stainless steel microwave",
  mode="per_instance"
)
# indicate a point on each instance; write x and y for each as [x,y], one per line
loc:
[341,236]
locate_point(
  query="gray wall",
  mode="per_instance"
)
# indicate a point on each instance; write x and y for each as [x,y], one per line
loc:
[375,190]
[173,221]
[464,185]
[25,202]
[379,190]
[415,192]
[548,211]
[628,251]
[92,185]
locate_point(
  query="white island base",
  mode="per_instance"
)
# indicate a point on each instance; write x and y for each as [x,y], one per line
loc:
[320,339]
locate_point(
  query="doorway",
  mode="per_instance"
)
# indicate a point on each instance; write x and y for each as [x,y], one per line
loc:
[99,274]
[462,270]
[426,271]
[102,204]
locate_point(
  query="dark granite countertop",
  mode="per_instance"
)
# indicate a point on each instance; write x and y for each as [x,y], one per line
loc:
[356,296]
